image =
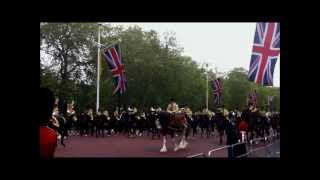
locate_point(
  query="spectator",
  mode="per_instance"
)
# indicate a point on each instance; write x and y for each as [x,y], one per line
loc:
[48,137]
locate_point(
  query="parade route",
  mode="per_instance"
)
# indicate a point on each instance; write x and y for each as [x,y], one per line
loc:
[123,147]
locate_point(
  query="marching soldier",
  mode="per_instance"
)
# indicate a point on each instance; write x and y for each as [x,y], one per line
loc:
[53,122]
[116,123]
[58,124]
[142,123]
[221,122]
[152,109]
[90,120]
[158,109]
[188,112]
[107,123]
[195,123]
[99,122]
[71,120]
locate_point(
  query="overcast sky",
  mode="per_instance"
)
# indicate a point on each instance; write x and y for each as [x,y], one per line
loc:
[222,45]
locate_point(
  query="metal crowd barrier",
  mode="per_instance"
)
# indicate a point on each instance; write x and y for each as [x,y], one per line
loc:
[197,155]
[212,152]
[255,150]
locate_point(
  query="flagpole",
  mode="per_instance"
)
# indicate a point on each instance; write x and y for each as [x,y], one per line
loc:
[207,88]
[98,71]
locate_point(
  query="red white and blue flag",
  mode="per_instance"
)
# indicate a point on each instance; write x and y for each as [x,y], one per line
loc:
[266,49]
[217,91]
[113,58]
[253,98]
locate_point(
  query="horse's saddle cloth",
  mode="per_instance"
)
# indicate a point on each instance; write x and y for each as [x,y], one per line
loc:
[177,114]
[175,127]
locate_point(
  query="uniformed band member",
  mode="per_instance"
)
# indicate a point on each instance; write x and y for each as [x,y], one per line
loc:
[57,123]
[189,117]
[221,122]
[54,123]
[107,123]
[99,122]
[188,112]
[116,123]
[158,109]
[91,122]
[152,109]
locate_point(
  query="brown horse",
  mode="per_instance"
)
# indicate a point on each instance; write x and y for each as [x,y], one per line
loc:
[173,124]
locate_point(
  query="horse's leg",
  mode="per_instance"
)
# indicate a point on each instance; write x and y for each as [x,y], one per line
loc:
[164,147]
[183,143]
[61,131]
[153,132]
[176,146]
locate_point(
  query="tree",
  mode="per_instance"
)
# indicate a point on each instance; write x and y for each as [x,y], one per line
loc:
[236,88]
[66,46]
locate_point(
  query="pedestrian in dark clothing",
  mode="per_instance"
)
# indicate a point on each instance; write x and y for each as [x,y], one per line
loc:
[233,137]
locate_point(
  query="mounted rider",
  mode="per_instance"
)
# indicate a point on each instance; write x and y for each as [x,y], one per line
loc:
[173,107]
[175,115]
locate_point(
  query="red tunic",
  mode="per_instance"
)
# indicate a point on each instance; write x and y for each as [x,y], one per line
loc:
[243,126]
[48,142]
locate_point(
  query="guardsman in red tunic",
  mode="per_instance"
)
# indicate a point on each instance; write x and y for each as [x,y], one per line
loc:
[48,137]
[243,129]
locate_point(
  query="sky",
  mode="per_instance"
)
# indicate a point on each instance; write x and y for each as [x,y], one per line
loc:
[222,45]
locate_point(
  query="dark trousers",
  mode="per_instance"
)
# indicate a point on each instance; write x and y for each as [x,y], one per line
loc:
[84,129]
[99,131]
[194,129]
[107,128]
[91,130]
[91,127]
[221,132]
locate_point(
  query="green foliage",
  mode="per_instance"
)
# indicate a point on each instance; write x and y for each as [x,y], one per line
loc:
[236,88]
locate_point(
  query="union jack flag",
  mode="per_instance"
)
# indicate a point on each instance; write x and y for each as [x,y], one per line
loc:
[253,98]
[113,58]
[266,49]
[217,91]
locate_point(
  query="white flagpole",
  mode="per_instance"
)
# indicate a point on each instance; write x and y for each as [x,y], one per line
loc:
[207,88]
[98,71]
